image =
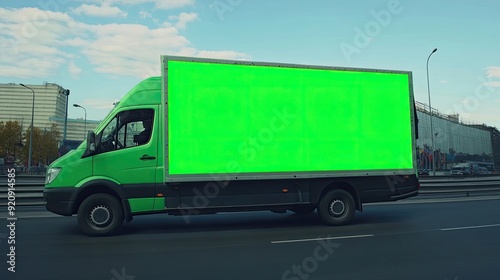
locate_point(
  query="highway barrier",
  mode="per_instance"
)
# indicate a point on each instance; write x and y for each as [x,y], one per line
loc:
[29,189]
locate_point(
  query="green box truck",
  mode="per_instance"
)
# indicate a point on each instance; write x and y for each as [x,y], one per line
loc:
[212,136]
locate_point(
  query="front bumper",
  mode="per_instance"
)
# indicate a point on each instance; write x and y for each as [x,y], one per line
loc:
[60,200]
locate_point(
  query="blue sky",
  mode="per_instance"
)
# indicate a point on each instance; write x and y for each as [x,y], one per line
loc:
[101,49]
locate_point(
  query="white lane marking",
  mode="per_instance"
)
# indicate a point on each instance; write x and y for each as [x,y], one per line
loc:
[471,227]
[321,238]
[433,200]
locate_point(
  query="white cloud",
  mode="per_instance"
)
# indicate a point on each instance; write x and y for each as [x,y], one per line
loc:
[184,18]
[159,4]
[37,43]
[144,14]
[223,55]
[73,69]
[105,10]
[492,84]
[493,72]
[31,41]
[100,104]
[131,49]
[75,42]
[173,4]
[213,54]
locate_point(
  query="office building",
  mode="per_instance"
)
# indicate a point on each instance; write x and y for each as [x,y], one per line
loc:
[50,107]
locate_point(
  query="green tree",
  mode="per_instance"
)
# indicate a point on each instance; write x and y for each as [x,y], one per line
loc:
[45,145]
[50,142]
[10,138]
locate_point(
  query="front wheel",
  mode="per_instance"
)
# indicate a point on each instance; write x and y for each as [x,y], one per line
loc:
[336,207]
[100,214]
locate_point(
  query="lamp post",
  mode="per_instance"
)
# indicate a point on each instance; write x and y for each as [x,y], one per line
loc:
[65,93]
[85,129]
[430,111]
[31,130]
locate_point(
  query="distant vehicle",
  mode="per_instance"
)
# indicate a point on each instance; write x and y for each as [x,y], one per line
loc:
[462,169]
[484,171]
[478,167]
[474,168]
[423,172]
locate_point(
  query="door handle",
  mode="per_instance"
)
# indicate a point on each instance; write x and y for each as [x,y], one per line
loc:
[147,157]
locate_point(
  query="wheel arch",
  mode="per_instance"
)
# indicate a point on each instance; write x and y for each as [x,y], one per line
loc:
[103,186]
[342,185]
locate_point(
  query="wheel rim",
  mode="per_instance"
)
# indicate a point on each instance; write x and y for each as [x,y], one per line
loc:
[337,208]
[100,215]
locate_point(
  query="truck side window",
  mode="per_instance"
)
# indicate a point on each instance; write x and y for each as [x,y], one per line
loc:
[107,140]
[128,129]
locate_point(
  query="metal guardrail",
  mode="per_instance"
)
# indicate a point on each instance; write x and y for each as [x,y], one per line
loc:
[34,171]
[455,191]
[25,194]
[31,194]
[28,190]
[455,185]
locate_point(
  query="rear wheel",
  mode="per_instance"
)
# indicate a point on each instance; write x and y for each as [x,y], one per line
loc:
[100,214]
[337,207]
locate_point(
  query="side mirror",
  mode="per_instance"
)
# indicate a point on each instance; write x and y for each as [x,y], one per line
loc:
[90,144]
[91,141]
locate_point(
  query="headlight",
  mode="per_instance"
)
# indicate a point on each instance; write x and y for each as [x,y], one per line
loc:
[52,174]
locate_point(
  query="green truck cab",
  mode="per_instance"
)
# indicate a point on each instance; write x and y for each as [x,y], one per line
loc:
[212,136]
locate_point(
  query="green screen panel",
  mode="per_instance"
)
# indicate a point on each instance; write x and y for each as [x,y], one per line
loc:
[227,118]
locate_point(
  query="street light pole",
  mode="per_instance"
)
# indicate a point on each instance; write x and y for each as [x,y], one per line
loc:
[31,132]
[85,129]
[65,93]
[430,111]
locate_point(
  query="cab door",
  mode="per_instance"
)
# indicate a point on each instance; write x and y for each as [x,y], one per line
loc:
[128,155]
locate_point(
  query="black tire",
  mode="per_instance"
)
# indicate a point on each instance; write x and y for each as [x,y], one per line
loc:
[303,210]
[337,207]
[100,215]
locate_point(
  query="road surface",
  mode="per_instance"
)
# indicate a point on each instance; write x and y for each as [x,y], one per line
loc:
[439,238]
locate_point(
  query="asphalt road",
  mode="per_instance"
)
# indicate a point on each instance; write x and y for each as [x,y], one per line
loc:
[441,238]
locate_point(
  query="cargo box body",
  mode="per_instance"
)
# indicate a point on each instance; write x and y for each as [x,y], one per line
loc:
[261,121]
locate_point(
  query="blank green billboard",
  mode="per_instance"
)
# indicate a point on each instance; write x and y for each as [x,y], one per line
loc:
[228,118]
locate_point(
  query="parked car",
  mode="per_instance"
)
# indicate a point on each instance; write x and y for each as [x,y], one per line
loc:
[462,169]
[484,171]
[423,172]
